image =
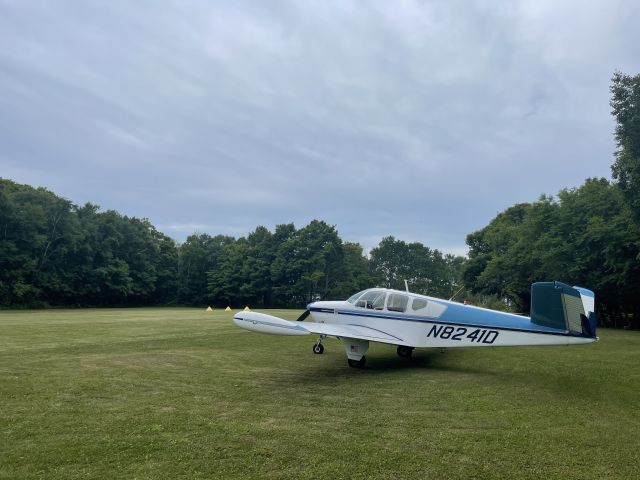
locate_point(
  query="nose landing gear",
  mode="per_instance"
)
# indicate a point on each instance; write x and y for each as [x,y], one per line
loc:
[318,348]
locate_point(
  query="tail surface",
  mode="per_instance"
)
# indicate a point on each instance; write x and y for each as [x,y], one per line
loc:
[556,305]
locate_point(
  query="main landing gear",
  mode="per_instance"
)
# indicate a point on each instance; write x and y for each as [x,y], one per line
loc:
[357,363]
[404,352]
[351,345]
[355,349]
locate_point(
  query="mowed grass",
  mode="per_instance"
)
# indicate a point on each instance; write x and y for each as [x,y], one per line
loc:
[180,393]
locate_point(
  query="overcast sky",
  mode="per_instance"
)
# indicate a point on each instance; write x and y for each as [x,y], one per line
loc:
[421,120]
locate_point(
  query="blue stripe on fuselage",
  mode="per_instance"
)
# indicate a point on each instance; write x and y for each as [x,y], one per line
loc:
[323,310]
[465,315]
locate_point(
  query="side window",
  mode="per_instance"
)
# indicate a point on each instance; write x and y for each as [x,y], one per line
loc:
[373,300]
[418,304]
[397,303]
[378,303]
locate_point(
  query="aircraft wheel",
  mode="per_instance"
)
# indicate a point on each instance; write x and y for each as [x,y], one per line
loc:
[318,349]
[357,363]
[404,352]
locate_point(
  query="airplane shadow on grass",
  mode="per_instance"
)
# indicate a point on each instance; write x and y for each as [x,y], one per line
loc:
[330,371]
[390,364]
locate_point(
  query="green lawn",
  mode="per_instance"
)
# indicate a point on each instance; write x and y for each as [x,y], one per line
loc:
[180,393]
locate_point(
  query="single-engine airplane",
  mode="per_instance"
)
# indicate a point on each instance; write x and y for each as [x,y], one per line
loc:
[560,315]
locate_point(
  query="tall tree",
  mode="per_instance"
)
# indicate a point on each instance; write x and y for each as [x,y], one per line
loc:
[354,274]
[198,255]
[228,282]
[283,278]
[625,104]
[308,264]
[257,264]
[390,263]
[426,270]
[39,232]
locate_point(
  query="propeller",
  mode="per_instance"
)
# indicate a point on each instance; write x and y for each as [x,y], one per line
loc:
[304,315]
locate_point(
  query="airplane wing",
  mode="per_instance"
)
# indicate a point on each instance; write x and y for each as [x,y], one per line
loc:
[351,331]
[261,322]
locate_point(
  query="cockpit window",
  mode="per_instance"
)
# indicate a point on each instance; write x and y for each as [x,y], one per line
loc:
[373,299]
[352,299]
[397,302]
[418,304]
[378,303]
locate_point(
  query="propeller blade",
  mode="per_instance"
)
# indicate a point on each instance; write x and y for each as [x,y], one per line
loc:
[304,315]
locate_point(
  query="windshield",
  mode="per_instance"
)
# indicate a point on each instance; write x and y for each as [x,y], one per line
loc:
[372,299]
[352,299]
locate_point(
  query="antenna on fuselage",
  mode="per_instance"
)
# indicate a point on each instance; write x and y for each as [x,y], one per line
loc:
[406,286]
[454,295]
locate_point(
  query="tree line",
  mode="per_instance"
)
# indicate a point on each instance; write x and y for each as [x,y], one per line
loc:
[53,252]
[56,253]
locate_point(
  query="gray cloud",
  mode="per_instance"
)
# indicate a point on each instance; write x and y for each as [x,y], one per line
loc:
[418,119]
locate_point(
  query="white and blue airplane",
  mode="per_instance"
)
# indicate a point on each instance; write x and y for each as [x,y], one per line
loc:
[560,315]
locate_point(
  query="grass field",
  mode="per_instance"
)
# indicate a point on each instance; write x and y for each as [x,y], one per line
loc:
[180,393]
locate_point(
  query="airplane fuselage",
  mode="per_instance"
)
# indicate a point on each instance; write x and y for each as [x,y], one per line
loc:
[443,324]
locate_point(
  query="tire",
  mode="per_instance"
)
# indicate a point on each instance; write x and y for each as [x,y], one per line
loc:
[357,363]
[404,352]
[318,349]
